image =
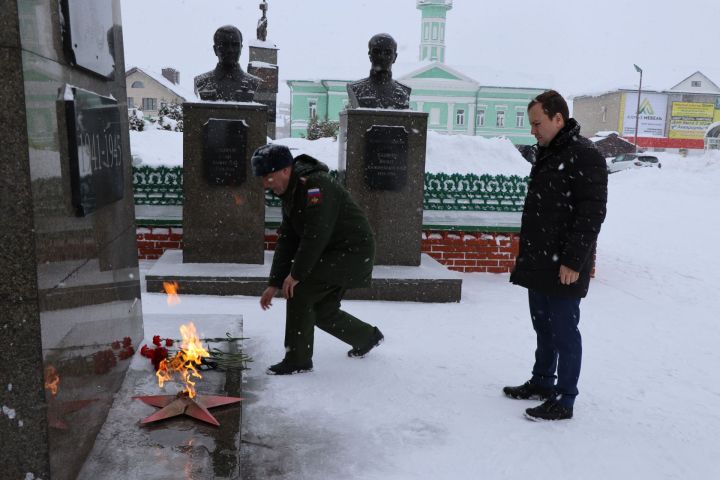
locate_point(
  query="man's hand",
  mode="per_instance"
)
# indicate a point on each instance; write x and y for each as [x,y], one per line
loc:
[568,275]
[267,296]
[289,286]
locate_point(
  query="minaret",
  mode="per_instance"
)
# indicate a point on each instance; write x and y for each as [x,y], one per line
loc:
[432,33]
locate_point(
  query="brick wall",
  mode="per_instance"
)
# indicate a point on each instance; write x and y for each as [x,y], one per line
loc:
[153,241]
[461,251]
[472,251]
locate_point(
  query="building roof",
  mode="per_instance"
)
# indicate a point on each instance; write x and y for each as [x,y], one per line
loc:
[173,87]
[707,85]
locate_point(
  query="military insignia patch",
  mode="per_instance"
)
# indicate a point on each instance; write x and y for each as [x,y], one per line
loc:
[314,196]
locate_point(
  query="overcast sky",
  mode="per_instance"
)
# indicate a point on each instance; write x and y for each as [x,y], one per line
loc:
[577,47]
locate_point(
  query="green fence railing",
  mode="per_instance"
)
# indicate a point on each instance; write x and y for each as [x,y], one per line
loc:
[158,185]
[490,193]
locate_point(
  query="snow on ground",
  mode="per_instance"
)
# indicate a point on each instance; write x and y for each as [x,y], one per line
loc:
[427,404]
[154,147]
[445,153]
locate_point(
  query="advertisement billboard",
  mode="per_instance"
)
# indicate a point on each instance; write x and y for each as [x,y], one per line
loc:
[653,107]
[690,120]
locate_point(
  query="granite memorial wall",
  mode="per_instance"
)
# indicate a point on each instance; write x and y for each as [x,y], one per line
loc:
[70,310]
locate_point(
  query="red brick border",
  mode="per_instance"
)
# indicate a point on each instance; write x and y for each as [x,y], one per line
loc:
[492,252]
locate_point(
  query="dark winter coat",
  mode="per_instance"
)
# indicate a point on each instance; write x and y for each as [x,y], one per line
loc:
[324,237]
[564,209]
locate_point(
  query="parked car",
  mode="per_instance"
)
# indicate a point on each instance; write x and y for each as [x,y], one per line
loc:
[632,160]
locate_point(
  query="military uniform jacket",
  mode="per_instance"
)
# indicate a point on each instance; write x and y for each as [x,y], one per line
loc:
[564,209]
[324,236]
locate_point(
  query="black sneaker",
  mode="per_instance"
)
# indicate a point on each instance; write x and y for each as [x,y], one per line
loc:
[376,339]
[530,391]
[550,410]
[289,368]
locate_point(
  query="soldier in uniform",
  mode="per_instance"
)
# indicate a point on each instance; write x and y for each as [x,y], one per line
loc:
[379,90]
[325,246]
[227,82]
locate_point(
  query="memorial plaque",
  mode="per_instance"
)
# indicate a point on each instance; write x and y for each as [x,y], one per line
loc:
[88,35]
[225,151]
[94,147]
[386,154]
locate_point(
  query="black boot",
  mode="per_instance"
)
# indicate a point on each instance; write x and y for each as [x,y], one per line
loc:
[529,390]
[288,368]
[375,340]
[550,410]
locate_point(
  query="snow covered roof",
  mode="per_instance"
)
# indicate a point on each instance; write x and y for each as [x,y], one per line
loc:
[704,85]
[173,87]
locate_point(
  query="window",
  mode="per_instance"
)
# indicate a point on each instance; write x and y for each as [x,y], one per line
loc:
[137,84]
[500,119]
[604,113]
[149,104]
[696,83]
[519,119]
[426,31]
[434,116]
[435,31]
[131,102]
[460,117]
[312,109]
[480,118]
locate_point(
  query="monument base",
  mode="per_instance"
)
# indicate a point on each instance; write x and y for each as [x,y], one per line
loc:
[224,205]
[381,162]
[430,282]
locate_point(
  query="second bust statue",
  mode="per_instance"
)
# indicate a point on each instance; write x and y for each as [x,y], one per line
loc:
[379,90]
[228,82]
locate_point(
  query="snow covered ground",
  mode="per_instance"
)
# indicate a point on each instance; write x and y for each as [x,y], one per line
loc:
[427,404]
[445,153]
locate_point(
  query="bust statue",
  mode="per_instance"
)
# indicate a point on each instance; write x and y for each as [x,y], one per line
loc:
[379,90]
[228,82]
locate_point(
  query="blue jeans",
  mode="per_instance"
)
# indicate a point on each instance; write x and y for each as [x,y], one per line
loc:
[559,344]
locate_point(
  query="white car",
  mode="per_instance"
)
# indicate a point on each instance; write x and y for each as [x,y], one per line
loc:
[632,160]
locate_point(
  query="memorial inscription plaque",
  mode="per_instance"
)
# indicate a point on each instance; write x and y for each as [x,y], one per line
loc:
[224,151]
[386,154]
[88,35]
[95,151]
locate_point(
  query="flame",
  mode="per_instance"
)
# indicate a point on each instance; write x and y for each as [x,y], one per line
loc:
[185,362]
[171,288]
[52,379]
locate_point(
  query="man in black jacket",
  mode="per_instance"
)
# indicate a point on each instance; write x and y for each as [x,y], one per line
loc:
[564,209]
[325,246]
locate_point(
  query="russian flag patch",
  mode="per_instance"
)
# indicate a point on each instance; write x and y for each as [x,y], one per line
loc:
[314,196]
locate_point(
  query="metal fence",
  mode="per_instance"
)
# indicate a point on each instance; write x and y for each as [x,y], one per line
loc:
[490,193]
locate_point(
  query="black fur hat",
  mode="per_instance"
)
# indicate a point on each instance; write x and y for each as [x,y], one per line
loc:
[271,158]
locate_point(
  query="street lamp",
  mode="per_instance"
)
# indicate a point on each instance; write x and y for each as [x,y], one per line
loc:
[637,111]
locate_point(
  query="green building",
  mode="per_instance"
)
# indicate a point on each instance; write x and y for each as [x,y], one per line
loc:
[456,103]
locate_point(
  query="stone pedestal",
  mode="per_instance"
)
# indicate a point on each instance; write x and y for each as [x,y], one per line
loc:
[70,304]
[263,64]
[428,282]
[382,164]
[224,206]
